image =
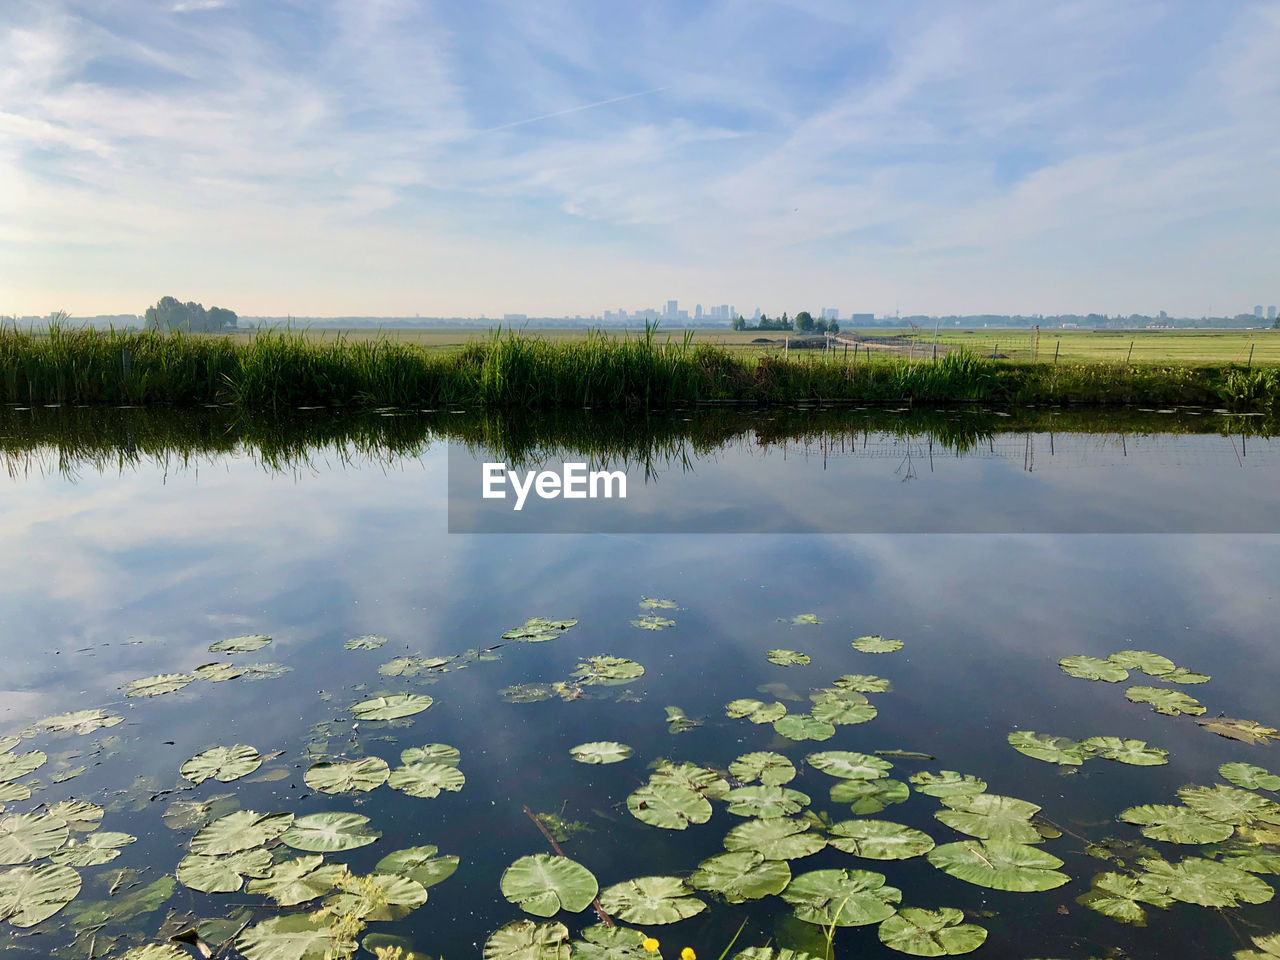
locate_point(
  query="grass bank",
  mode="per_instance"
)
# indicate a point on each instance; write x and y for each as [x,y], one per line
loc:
[274,371]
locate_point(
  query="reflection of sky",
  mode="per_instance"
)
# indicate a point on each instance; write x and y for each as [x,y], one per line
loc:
[178,560]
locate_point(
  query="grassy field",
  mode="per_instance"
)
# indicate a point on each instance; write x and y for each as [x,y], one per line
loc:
[1163,347]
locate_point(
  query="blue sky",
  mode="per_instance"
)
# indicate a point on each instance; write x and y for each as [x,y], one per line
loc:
[393,157]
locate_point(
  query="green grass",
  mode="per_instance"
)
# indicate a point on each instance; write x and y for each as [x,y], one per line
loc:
[643,371]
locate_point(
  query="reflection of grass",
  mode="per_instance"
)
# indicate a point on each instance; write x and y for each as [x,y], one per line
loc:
[274,371]
[104,438]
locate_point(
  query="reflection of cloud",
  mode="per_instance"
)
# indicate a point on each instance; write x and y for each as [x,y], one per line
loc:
[189,6]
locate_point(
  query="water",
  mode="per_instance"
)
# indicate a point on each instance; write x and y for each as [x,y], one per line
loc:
[128,550]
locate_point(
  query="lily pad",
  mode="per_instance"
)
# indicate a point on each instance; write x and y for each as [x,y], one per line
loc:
[159,684]
[354,776]
[291,882]
[94,850]
[1093,668]
[611,943]
[876,644]
[296,936]
[741,876]
[538,629]
[378,896]
[1183,675]
[703,780]
[809,618]
[218,672]
[1000,865]
[1042,746]
[786,658]
[1246,731]
[222,874]
[264,671]
[238,831]
[1249,776]
[869,796]
[861,683]
[842,898]
[155,951]
[1175,824]
[1205,882]
[802,726]
[1134,752]
[931,933]
[678,722]
[777,838]
[771,769]
[848,765]
[755,710]
[947,783]
[426,779]
[367,642]
[422,864]
[29,895]
[879,839]
[1268,948]
[526,940]
[1230,804]
[1162,700]
[652,622]
[543,885]
[80,722]
[766,802]
[654,603]
[246,644]
[81,815]
[990,816]
[29,836]
[391,707]
[607,671]
[651,901]
[1152,664]
[15,765]
[329,832]
[1121,897]
[668,806]
[432,753]
[600,751]
[223,763]
[842,711]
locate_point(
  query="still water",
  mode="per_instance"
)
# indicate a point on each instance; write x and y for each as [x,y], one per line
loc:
[129,557]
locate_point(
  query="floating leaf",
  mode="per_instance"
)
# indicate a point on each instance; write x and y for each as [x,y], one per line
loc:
[652,622]
[426,779]
[354,776]
[379,896]
[1230,804]
[771,769]
[862,683]
[543,885]
[329,832]
[869,796]
[668,806]
[13,791]
[766,802]
[431,753]
[1135,752]
[931,933]
[1183,675]
[991,817]
[367,642]
[651,901]
[704,780]
[264,671]
[948,783]
[527,693]
[1162,700]
[95,850]
[537,629]
[246,644]
[802,726]
[1205,882]
[677,722]
[879,839]
[1121,897]
[1152,664]
[80,815]
[600,751]
[876,644]
[218,672]
[755,710]
[774,953]
[842,711]
[296,936]
[999,864]
[1093,668]
[412,666]
[1268,945]
[238,831]
[155,951]
[611,943]
[526,940]
[155,686]
[80,722]
[607,671]
[29,895]
[419,863]
[28,836]
[224,763]
[805,618]
[15,765]
[1249,776]
[653,603]
[786,658]
[848,765]
[391,707]
[777,838]
[1248,731]
[295,881]
[1175,824]
[222,874]
[843,898]
[1041,746]
[741,876]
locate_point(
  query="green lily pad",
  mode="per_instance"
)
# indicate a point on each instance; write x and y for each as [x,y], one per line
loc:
[367,642]
[291,882]
[29,836]
[296,936]
[740,876]
[600,751]
[990,816]
[79,721]
[526,940]
[755,710]
[15,765]
[431,753]
[1121,897]
[543,885]
[1041,746]
[848,765]
[159,684]
[1175,824]
[610,943]
[379,896]
[1234,728]
[391,707]
[677,722]
[876,644]
[1135,752]
[1205,882]
[879,839]
[842,898]
[354,776]
[1000,865]
[1249,776]
[422,864]
[1093,668]
[654,603]
[777,838]
[869,796]
[413,666]
[774,953]
[426,779]
[218,672]
[223,763]
[802,726]
[809,618]
[607,671]
[1183,675]
[81,815]
[1230,804]
[861,683]
[222,874]
[843,711]
[766,802]
[1268,948]
[931,933]
[538,629]
[668,806]
[652,622]
[264,671]
[94,850]
[947,783]
[29,895]
[238,831]
[786,658]
[246,644]
[155,951]
[651,901]
[703,780]
[329,832]
[1152,664]
[771,769]
[1162,700]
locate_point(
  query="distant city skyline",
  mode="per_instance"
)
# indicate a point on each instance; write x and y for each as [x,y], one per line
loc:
[398,158]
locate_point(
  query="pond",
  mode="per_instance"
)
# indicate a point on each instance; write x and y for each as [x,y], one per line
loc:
[1036,693]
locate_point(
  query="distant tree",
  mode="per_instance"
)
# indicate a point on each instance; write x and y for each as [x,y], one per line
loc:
[833,326]
[1277,323]
[785,323]
[738,323]
[169,314]
[804,321]
[819,325]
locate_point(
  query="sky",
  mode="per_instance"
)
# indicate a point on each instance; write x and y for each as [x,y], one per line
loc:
[398,157]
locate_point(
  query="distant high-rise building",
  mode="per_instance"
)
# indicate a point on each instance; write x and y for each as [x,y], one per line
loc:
[830,313]
[1257,311]
[856,318]
[673,309]
[756,314]
[697,312]
[730,311]
[1271,312]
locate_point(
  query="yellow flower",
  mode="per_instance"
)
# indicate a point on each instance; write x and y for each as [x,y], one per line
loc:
[650,944]
[688,954]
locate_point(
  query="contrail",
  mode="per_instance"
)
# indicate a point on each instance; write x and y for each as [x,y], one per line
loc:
[561,113]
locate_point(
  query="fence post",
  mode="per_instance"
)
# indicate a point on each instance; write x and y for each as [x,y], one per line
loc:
[1249,366]
[786,346]
[1056,347]
[126,361]
[935,342]
[994,349]
[1130,353]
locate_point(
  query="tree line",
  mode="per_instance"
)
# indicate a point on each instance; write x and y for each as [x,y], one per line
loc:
[804,323]
[171,314]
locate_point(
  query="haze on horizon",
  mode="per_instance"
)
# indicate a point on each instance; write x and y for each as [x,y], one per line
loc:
[393,157]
